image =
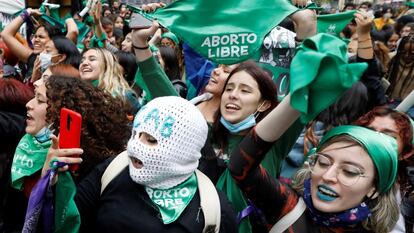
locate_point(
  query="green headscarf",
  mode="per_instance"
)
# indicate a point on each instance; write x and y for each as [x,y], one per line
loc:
[320,73]
[170,36]
[381,148]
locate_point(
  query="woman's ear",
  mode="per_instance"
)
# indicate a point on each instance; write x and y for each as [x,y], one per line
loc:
[59,58]
[264,106]
[372,194]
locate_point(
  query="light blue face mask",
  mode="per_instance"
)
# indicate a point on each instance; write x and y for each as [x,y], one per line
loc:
[43,135]
[247,123]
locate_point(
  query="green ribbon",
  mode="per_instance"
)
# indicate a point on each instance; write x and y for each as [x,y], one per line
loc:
[320,73]
[29,158]
[172,202]
[334,23]
[381,148]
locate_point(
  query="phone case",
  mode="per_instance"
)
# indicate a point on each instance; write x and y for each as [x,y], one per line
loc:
[70,131]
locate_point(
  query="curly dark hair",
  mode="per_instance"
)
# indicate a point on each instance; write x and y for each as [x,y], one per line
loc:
[105,127]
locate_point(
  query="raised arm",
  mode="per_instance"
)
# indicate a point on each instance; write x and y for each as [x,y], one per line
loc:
[274,198]
[365,47]
[22,52]
[72,33]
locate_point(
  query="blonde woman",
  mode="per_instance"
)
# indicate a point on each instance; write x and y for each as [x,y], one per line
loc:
[101,67]
[347,186]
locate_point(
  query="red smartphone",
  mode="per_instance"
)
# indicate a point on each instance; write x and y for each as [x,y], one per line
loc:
[70,131]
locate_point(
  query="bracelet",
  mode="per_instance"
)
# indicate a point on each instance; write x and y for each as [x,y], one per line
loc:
[140,48]
[24,15]
[364,40]
[368,47]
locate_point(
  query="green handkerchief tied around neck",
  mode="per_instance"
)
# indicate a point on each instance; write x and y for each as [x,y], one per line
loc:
[29,158]
[320,74]
[173,201]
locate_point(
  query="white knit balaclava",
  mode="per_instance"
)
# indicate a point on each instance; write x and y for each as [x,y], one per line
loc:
[180,130]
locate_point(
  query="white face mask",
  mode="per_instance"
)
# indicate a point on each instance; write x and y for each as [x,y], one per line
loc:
[351,54]
[180,130]
[45,61]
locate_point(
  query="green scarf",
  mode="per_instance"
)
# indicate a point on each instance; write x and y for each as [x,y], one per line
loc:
[29,158]
[173,201]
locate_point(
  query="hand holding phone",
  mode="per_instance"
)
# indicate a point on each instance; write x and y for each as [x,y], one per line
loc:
[70,131]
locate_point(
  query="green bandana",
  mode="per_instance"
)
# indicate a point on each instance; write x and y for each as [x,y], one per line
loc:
[170,36]
[29,158]
[381,148]
[334,23]
[223,31]
[320,73]
[67,217]
[172,202]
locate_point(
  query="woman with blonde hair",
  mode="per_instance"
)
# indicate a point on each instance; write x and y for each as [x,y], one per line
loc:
[101,67]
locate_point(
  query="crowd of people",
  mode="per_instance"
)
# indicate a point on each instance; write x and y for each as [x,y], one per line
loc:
[160,152]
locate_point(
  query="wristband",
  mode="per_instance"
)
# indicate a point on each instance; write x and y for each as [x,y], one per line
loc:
[140,48]
[25,15]
[368,47]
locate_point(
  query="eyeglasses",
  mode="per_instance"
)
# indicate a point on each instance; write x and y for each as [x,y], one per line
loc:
[347,174]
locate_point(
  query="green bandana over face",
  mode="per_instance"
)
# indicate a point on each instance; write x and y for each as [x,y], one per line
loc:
[320,73]
[381,148]
[172,202]
[223,31]
[334,23]
[29,158]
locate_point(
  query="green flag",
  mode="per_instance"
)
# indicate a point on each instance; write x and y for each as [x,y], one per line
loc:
[225,32]
[334,23]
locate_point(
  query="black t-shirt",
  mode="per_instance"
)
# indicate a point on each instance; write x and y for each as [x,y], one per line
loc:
[124,206]
[29,66]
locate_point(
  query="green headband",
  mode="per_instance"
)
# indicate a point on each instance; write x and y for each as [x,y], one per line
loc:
[170,36]
[381,148]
